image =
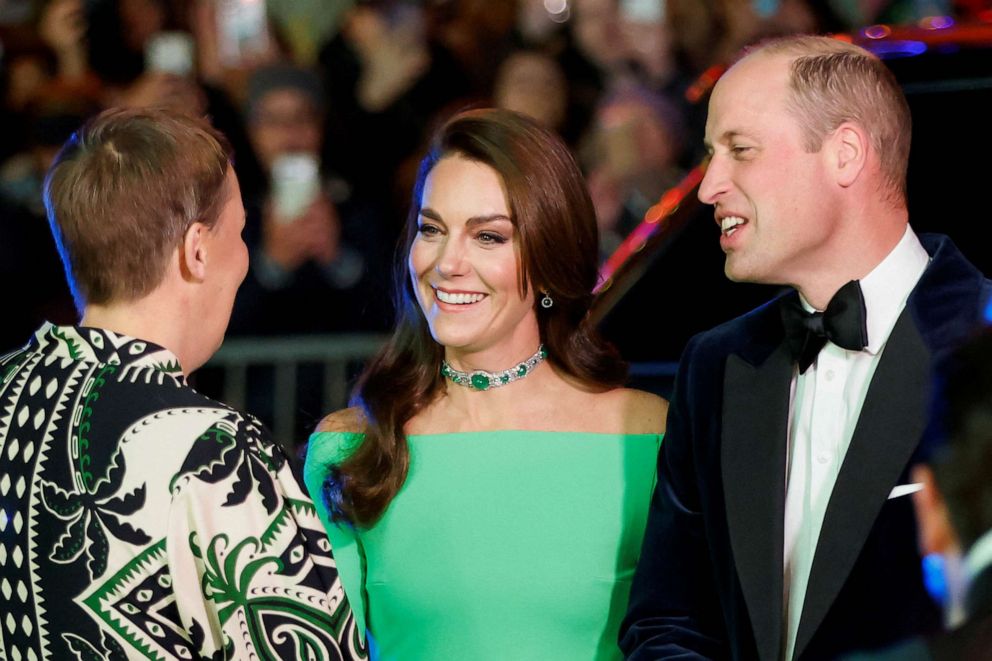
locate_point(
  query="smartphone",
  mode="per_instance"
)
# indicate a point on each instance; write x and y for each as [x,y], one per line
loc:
[170,52]
[242,31]
[643,11]
[295,185]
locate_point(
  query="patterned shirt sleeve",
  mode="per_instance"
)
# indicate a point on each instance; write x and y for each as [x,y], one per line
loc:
[250,565]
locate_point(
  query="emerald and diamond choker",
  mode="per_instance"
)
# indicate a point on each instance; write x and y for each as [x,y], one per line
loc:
[483,380]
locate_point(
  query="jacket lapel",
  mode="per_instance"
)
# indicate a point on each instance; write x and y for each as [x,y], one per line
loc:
[754,441]
[754,430]
[888,431]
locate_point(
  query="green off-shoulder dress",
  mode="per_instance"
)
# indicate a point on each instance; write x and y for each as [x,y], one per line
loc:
[500,545]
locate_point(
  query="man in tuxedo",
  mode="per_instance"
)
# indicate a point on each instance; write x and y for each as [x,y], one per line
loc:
[780,527]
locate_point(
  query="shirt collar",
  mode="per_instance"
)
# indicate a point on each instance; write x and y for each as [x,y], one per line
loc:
[979,556]
[889,285]
[98,345]
[887,288]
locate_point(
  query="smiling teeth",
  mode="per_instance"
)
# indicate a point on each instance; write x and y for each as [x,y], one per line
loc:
[458,299]
[729,224]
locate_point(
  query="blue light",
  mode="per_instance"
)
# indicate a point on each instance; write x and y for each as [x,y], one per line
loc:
[988,311]
[934,578]
[765,8]
[897,48]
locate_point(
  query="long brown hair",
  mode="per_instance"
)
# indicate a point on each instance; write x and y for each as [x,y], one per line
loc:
[558,240]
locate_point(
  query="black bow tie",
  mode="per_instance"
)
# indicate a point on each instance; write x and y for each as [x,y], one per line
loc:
[843,323]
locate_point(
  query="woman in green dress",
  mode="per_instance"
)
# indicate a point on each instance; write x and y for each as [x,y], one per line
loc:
[486,496]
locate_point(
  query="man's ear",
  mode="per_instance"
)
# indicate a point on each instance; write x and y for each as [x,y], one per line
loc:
[848,147]
[936,534]
[193,252]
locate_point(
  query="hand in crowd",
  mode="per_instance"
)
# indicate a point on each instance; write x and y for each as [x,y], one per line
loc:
[394,55]
[62,26]
[210,65]
[314,235]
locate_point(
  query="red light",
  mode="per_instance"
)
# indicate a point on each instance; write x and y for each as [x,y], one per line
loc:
[877,31]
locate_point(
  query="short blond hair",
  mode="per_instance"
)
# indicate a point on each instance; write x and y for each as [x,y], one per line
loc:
[833,82]
[122,192]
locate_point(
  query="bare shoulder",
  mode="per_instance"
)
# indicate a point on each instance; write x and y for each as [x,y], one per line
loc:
[350,420]
[617,411]
[642,412]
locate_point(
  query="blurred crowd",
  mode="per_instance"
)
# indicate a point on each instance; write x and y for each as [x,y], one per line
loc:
[328,102]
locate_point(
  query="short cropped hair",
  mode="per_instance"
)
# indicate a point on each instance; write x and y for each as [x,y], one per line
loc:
[833,82]
[121,194]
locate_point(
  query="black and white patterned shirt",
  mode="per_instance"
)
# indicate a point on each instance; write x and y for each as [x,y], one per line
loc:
[140,519]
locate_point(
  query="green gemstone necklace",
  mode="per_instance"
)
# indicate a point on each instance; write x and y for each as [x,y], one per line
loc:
[483,380]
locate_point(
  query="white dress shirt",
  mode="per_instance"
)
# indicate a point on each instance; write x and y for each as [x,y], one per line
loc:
[979,556]
[824,407]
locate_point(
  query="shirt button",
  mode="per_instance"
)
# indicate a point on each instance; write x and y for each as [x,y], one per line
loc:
[822,458]
[830,375]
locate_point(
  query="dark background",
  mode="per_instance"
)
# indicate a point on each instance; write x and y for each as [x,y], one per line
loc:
[684,290]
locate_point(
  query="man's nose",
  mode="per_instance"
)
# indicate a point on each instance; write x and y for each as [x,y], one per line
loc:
[715,181]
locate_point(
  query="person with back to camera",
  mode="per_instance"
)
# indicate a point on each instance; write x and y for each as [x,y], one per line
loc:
[487,495]
[138,518]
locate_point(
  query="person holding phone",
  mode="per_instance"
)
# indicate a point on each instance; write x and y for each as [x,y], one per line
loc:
[486,496]
[314,243]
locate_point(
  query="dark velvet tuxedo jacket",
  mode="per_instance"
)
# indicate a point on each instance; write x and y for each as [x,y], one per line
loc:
[710,579]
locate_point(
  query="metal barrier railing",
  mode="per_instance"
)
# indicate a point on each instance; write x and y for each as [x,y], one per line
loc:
[340,357]
[336,354]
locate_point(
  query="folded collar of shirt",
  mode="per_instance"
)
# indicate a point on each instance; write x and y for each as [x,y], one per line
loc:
[888,286]
[99,345]
[979,556]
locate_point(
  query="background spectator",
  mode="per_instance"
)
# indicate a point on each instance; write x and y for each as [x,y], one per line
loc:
[954,507]
[317,248]
[533,83]
[632,156]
